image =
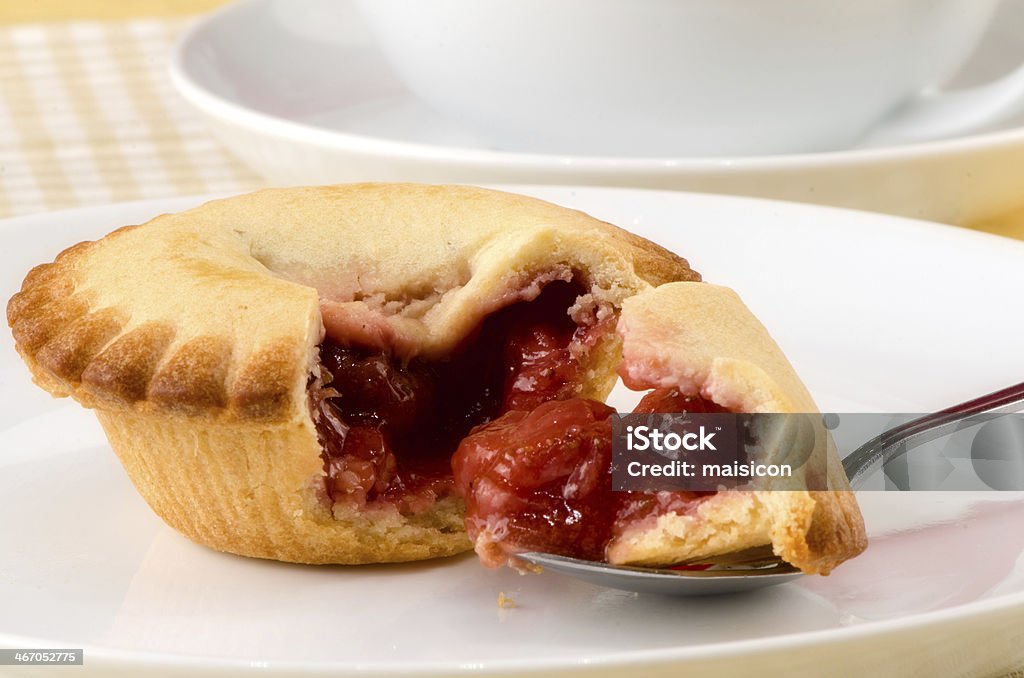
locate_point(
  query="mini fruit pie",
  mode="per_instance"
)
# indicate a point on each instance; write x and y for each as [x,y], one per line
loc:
[367,373]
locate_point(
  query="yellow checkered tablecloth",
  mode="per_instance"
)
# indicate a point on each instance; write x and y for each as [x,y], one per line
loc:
[88,116]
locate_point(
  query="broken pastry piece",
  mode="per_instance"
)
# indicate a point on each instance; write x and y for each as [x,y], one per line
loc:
[541,480]
[287,374]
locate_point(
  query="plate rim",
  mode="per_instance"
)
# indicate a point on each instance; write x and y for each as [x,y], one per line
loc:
[634,659]
[237,114]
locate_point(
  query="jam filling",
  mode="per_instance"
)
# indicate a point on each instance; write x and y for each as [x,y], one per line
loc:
[389,428]
[541,480]
[500,423]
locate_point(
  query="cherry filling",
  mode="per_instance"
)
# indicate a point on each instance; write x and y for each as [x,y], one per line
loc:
[389,428]
[531,459]
[541,480]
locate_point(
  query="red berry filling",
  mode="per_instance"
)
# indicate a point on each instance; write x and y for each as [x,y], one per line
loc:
[389,428]
[531,459]
[541,480]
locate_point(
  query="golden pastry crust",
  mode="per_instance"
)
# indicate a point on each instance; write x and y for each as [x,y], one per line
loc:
[702,339]
[194,337]
[255,493]
[217,310]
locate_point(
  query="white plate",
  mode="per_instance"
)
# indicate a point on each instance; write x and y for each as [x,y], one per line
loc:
[298,90]
[876,312]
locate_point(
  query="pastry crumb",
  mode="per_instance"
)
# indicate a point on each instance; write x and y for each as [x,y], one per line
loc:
[504,602]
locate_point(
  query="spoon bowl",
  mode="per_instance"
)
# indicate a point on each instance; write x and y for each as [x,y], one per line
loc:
[715,580]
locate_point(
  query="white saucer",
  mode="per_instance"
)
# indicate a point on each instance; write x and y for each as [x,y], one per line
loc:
[923,322]
[298,89]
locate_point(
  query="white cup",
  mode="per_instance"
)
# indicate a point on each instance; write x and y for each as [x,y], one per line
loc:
[694,77]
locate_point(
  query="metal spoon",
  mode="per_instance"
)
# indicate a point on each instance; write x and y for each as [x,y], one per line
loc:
[759,568]
[722,577]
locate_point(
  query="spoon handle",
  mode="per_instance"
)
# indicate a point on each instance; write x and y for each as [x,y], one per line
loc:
[900,439]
